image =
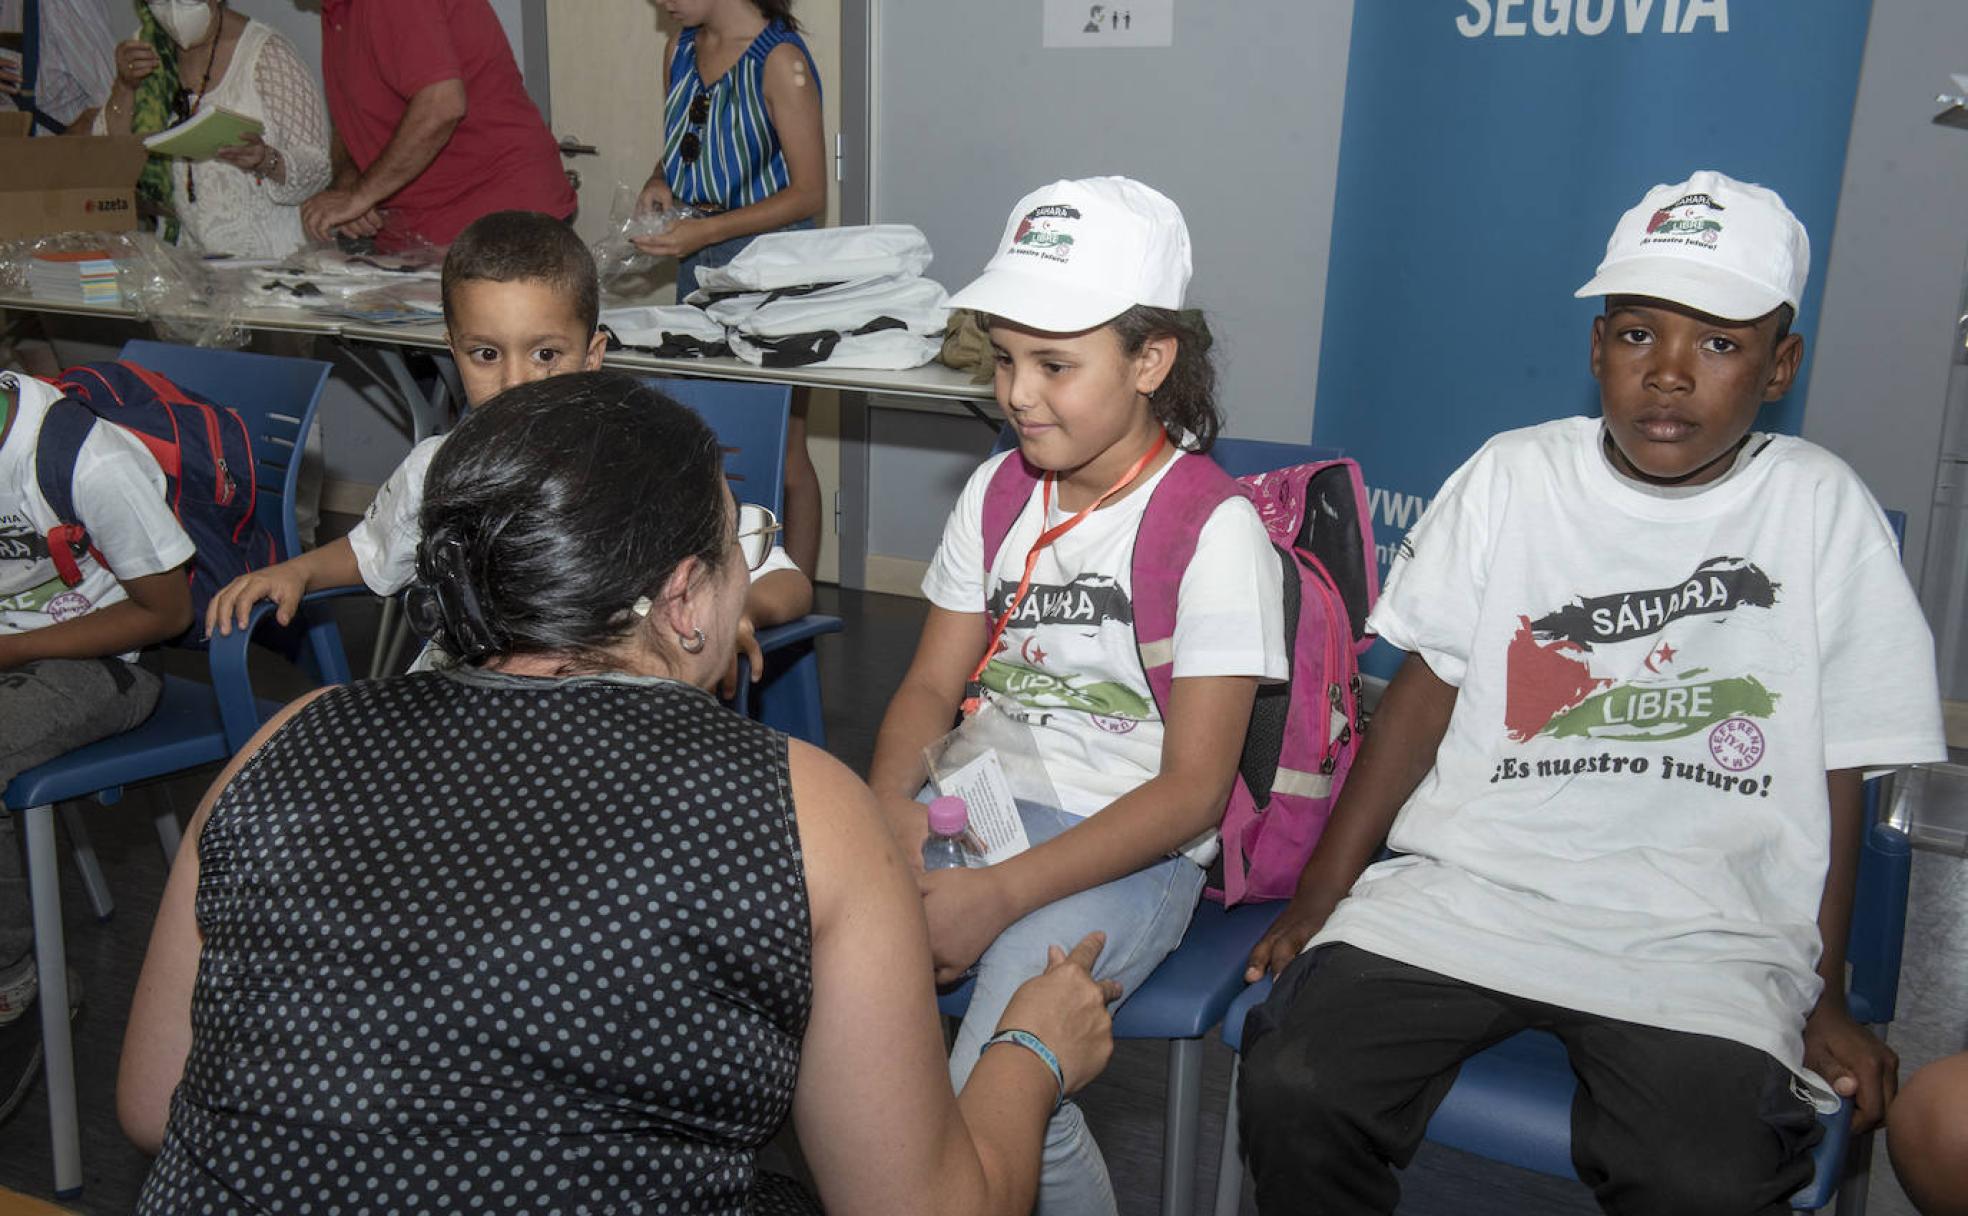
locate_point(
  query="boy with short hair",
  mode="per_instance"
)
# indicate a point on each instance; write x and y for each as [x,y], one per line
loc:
[1650,656]
[66,675]
[521,303]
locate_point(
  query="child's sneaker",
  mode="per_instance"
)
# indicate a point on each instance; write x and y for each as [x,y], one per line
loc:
[18,984]
[20,1032]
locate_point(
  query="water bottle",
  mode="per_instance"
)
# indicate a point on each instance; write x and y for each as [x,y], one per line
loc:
[948,817]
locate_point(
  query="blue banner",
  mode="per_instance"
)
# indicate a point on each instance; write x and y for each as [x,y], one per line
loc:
[1488,147]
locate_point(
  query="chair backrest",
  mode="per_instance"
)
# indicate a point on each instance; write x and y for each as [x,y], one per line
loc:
[1879,908]
[276,396]
[750,422]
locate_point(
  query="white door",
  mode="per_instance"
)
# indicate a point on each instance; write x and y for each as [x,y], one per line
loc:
[607,73]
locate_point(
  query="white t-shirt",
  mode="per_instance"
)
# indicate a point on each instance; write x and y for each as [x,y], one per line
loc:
[1070,665]
[385,540]
[1628,814]
[119,498]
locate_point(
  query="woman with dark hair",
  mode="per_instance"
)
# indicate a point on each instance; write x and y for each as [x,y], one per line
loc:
[742,144]
[552,930]
[742,139]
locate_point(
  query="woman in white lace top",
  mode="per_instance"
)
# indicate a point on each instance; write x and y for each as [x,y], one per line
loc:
[247,201]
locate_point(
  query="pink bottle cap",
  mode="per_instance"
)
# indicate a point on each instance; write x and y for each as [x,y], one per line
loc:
[948,816]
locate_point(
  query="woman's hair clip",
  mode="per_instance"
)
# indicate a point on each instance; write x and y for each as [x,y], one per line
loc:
[445,606]
[642,606]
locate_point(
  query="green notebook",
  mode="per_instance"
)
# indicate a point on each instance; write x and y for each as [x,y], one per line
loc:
[202,135]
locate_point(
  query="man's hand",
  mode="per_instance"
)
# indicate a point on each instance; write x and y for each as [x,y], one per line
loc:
[334,209]
[1854,1061]
[10,77]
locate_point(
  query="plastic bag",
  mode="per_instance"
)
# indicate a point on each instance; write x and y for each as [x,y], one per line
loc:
[411,303]
[359,258]
[172,287]
[14,257]
[991,761]
[623,269]
[183,296]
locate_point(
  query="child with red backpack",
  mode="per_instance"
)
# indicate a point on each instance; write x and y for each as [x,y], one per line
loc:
[65,675]
[1109,389]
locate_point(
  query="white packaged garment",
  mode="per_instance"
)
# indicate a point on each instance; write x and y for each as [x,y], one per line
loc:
[776,260]
[672,331]
[892,323]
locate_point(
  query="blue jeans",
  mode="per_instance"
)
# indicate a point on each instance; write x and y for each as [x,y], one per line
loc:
[1144,916]
[719,254]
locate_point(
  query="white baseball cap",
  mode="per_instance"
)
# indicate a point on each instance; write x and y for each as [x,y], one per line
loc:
[1076,254]
[1717,245]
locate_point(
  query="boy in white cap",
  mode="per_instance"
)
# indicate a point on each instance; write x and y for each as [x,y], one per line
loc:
[1650,655]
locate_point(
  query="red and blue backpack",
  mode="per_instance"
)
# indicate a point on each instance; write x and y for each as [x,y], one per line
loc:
[203,448]
[1303,733]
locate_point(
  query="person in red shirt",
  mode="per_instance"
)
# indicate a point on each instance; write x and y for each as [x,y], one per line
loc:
[433,127]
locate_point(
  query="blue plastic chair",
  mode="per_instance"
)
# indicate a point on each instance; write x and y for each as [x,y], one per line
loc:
[1181,1001]
[277,398]
[1513,1102]
[750,422]
[193,725]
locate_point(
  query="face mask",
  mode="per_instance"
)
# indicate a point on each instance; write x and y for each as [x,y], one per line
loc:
[186,21]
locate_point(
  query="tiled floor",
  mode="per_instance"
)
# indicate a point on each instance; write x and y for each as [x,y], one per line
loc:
[1124,1106]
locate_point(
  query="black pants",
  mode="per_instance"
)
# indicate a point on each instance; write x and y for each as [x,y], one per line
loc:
[1352,1053]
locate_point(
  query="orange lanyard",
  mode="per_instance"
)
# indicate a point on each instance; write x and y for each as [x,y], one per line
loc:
[1046,539]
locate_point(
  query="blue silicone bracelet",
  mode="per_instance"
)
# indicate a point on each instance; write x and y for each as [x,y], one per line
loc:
[1035,1045]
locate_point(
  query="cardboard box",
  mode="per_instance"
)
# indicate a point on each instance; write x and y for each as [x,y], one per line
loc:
[66,183]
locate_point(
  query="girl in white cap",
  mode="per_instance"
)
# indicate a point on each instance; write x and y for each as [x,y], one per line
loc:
[1107,387]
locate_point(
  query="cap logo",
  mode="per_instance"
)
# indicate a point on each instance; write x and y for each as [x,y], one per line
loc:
[1042,233]
[1685,221]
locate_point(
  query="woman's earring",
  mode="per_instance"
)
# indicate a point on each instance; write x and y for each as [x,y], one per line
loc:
[694,644]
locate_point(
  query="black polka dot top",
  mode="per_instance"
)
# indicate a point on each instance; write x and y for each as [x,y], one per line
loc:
[485,943]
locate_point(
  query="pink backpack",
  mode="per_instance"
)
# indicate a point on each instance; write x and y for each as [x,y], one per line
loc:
[1303,733]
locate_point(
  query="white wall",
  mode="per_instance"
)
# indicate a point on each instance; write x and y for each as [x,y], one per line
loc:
[1238,122]
[1879,377]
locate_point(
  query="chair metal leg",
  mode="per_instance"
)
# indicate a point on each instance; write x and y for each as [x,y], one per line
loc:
[392,633]
[84,852]
[1230,1166]
[1855,1187]
[165,815]
[51,963]
[1181,1126]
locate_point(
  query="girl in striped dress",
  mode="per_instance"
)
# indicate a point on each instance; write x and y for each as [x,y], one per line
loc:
[742,143]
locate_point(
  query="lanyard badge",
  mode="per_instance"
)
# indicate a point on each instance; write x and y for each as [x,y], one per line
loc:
[974,687]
